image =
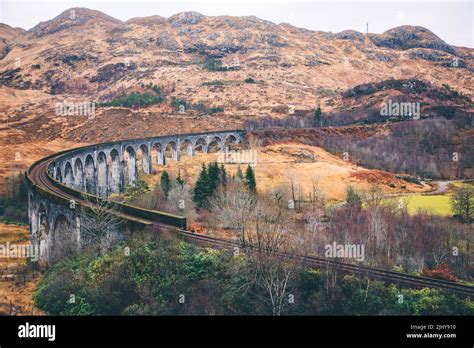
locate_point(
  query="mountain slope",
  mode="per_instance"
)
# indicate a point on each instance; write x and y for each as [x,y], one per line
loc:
[87,55]
[7,34]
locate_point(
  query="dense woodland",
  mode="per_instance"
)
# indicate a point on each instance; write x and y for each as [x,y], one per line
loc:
[162,276]
[431,148]
[425,148]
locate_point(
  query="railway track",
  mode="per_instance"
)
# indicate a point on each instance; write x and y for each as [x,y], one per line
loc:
[38,176]
[371,272]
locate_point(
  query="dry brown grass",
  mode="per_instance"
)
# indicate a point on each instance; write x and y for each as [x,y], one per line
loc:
[14,291]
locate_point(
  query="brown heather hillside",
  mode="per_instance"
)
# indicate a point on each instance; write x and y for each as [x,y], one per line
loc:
[85,55]
[16,283]
[7,34]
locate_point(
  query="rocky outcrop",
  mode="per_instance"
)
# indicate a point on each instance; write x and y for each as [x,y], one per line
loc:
[406,37]
[166,41]
[185,18]
[7,35]
[71,18]
[350,35]
[437,56]
[112,72]
[404,86]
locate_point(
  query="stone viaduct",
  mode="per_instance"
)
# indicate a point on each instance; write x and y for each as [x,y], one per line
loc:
[100,170]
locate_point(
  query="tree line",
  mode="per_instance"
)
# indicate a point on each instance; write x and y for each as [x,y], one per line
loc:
[165,276]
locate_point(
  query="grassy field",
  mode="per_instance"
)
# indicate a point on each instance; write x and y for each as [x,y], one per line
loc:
[436,204]
[463,184]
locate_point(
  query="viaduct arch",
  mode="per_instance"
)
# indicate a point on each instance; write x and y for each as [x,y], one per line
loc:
[101,170]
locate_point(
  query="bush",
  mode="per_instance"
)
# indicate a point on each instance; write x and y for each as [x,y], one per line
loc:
[213,64]
[136,188]
[214,110]
[87,286]
[135,100]
[352,197]
[408,178]
[439,272]
[213,83]
[249,80]
[176,103]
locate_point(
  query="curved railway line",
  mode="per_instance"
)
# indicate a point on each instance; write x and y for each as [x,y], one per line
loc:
[38,176]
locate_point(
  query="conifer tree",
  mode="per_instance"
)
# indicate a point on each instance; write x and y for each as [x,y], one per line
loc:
[317,117]
[222,175]
[250,179]
[165,182]
[201,189]
[213,175]
[352,197]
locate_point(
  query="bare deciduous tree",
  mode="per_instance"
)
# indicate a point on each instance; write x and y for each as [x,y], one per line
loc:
[317,196]
[100,227]
[266,233]
[232,206]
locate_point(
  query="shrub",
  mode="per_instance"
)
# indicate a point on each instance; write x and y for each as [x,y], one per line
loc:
[439,272]
[136,188]
[14,205]
[214,110]
[165,182]
[213,83]
[176,103]
[352,197]
[249,80]
[213,64]
[135,100]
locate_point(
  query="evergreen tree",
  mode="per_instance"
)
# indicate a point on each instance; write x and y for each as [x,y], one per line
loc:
[207,183]
[213,174]
[222,175]
[317,117]
[165,182]
[250,179]
[352,197]
[201,189]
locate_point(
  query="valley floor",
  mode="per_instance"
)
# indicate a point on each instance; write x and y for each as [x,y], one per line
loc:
[304,165]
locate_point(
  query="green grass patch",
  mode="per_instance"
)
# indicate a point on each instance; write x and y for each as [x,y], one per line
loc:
[463,183]
[434,204]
